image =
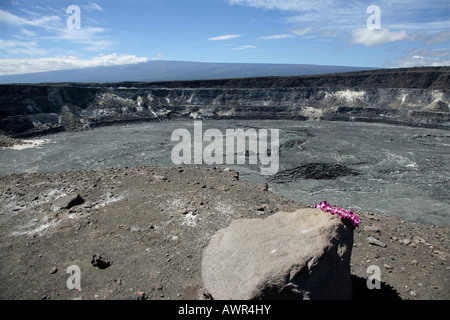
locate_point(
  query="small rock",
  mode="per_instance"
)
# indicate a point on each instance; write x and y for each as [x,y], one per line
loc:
[376,242]
[262,186]
[68,201]
[372,228]
[98,261]
[260,207]
[141,296]
[135,229]
[53,270]
[406,241]
[440,255]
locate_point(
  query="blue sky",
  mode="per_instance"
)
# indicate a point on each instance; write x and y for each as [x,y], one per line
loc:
[34,35]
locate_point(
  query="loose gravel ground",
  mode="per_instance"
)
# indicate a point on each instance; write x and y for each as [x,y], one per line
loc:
[149,225]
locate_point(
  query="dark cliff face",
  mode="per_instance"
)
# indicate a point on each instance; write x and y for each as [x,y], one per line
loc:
[418,97]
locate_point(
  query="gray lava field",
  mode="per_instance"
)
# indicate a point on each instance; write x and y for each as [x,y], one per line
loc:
[380,168]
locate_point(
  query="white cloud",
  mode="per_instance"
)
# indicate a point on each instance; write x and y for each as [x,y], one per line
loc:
[422,57]
[285,5]
[412,20]
[302,32]
[244,47]
[19,47]
[225,37]
[92,6]
[9,18]
[437,38]
[27,33]
[421,26]
[90,38]
[373,37]
[277,37]
[19,66]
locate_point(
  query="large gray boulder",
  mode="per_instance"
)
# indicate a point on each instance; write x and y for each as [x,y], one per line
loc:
[289,255]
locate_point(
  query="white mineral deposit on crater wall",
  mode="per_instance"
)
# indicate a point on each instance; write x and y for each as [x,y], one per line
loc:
[34,143]
[350,95]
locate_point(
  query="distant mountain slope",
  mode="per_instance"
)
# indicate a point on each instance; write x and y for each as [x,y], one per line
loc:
[176,70]
[413,78]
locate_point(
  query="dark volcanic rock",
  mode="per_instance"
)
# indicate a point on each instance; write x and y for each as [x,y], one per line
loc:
[318,171]
[98,261]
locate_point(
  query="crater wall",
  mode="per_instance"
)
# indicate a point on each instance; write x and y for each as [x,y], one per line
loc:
[421,99]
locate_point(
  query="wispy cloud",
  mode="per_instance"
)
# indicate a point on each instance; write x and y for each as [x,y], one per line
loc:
[422,57]
[302,32]
[92,38]
[285,5]
[92,6]
[11,19]
[29,65]
[277,37]
[401,20]
[45,29]
[432,38]
[243,47]
[440,37]
[372,37]
[19,47]
[225,37]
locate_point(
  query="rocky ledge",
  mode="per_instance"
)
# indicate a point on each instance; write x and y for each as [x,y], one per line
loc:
[415,97]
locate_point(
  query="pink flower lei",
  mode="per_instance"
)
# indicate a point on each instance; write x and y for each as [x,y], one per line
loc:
[344,214]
